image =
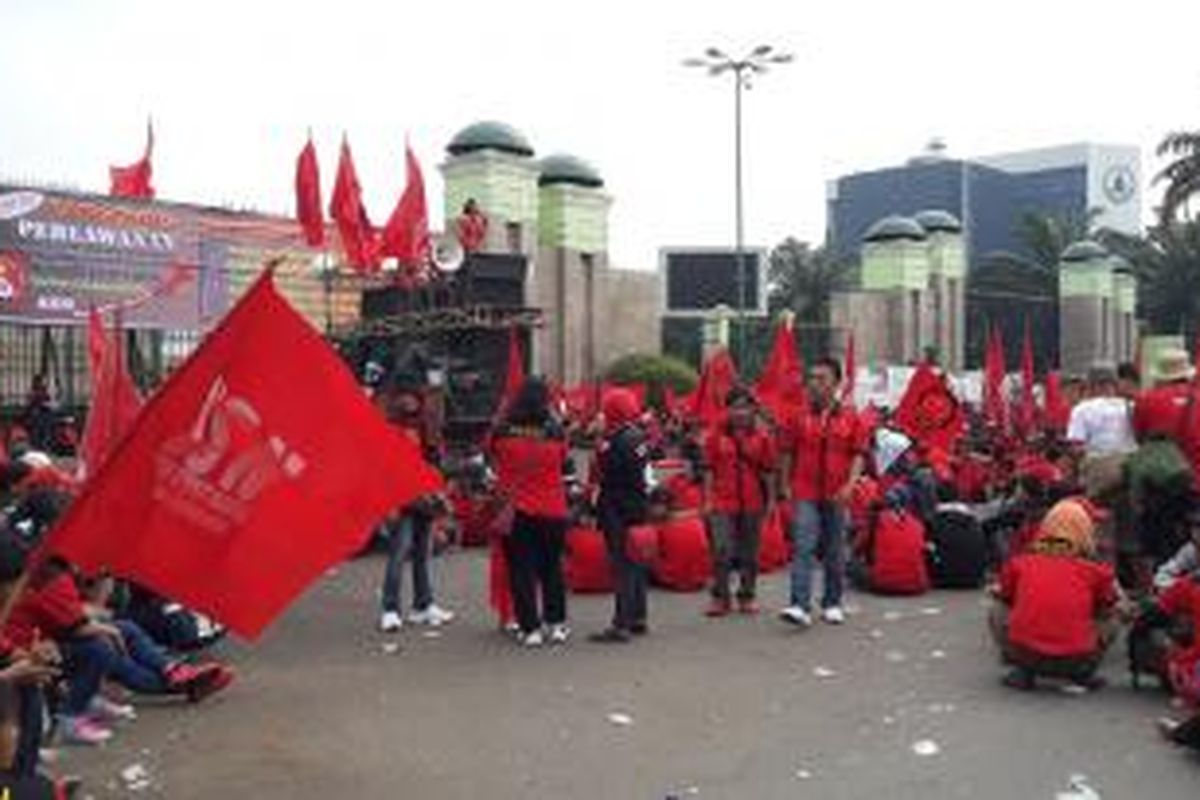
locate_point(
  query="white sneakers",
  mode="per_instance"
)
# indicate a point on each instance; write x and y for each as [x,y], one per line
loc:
[834,615]
[104,710]
[559,633]
[390,622]
[433,616]
[799,616]
[532,639]
[555,634]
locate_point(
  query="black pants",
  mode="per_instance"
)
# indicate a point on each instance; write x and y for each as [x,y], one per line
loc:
[629,577]
[534,551]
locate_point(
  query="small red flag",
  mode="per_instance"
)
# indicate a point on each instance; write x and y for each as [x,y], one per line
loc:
[514,375]
[406,235]
[1057,412]
[994,406]
[717,378]
[851,373]
[235,491]
[1026,416]
[929,412]
[780,387]
[308,196]
[115,398]
[347,210]
[134,180]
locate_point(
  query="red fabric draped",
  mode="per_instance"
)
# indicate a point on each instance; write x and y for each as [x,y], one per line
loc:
[308,196]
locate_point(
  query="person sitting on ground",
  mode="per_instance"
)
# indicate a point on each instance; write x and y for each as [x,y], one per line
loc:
[1178,601]
[889,554]
[1053,619]
[95,649]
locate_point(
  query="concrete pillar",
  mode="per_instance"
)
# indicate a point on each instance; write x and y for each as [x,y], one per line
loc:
[1086,303]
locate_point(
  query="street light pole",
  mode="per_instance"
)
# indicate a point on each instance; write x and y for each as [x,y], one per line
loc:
[755,63]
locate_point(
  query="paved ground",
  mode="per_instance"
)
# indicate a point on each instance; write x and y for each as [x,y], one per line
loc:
[737,708]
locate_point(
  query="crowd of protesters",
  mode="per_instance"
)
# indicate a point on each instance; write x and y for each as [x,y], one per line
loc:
[1081,524]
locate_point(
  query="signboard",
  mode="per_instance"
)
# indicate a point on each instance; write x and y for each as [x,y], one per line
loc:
[698,280]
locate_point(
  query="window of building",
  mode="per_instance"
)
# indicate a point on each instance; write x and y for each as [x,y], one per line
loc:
[512,231]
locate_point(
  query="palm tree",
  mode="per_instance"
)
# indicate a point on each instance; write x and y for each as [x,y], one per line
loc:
[801,278]
[1181,175]
[1166,262]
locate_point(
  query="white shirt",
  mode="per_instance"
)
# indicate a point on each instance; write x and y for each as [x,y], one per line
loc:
[1103,426]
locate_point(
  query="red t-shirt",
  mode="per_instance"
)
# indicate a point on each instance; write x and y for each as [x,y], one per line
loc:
[898,561]
[732,455]
[1055,601]
[53,610]
[823,446]
[530,470]
[1160,411]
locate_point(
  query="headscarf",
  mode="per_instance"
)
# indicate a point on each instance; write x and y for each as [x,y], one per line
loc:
[620,407]
[1066,529]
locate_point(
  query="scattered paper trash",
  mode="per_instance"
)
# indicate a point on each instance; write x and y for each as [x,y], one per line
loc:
[1078,789]
[432,634]
[824,672]
[926,748]
[391,648]
[931,611]
[136,777]
[1073,689]
[624,720]
[876,633]
[937,655]
[895,657]
[892,616]
[803,774]
[889,720]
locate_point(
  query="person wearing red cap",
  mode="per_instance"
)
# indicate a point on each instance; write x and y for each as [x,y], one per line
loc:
[822,459]
[740,456]
[622,502]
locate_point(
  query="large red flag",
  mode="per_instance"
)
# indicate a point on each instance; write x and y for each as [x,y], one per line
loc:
[780,387]
[994,406]
[115,398]
[259,465]
[717,378]
[347,210]
[851,373]
[1026,416]
[406,235]
[308,196]
[929,412]
[134,180]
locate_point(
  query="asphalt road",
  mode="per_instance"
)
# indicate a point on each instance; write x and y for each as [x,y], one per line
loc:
[735,708]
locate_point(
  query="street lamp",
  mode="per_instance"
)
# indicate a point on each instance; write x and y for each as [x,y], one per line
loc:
[716,63]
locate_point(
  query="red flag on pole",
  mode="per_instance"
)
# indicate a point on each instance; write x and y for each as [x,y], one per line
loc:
[994,406]
[780,387]
[1026,416]
[308,196]
[406,235]
[929,412]
[258,465]
[115,399]
[851,373]
[717,378]
[347,211]
[1058,412]
[514,375]
[134,180]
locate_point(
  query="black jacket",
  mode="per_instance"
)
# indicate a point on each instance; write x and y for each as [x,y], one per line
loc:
[623,458]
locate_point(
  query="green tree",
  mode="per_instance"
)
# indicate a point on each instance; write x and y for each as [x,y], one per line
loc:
[1181,175]
[1166,262]
[801,278]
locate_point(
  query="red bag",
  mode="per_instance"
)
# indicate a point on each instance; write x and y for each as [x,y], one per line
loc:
[684,563]
[587,568]
[773,550]
[641,544]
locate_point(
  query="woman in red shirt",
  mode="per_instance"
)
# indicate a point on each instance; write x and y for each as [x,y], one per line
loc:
[740,456]
[1056,603]
[530,452]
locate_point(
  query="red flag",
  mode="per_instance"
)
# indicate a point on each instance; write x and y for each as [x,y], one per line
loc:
[115,399]
[514,375]
[851,373]
[308,196]
[1026,416]
[717,378]
[134,180]
[780,387]
[994,406]
[1057,412]
[347,210]
[929,412]
[406,235]
[236,489]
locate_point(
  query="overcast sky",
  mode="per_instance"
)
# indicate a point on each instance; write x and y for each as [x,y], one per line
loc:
[232,87]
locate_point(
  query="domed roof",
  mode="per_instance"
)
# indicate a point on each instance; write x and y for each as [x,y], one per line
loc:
[894,227]
[563,168]
[489,135]
[935,219]
[1084,250]
[1120,264]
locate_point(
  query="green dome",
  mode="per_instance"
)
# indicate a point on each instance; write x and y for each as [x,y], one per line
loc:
[562,168]
[894,227]
[935,219]
[489,135]
[1084,250]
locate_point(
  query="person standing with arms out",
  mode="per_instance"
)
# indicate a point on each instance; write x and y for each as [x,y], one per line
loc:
[530,451]
[622,503]
[822,458]
[740,457]
[409,531]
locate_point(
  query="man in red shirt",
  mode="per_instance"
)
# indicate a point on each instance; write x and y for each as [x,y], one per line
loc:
[1160,412]
[739,456]
[823,457]
[472,227]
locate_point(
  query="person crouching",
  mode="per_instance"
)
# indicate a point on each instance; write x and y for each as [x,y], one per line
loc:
[1054,616]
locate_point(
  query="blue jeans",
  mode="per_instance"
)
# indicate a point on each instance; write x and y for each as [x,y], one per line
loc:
[408,538]
[89,660]
[818,526]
